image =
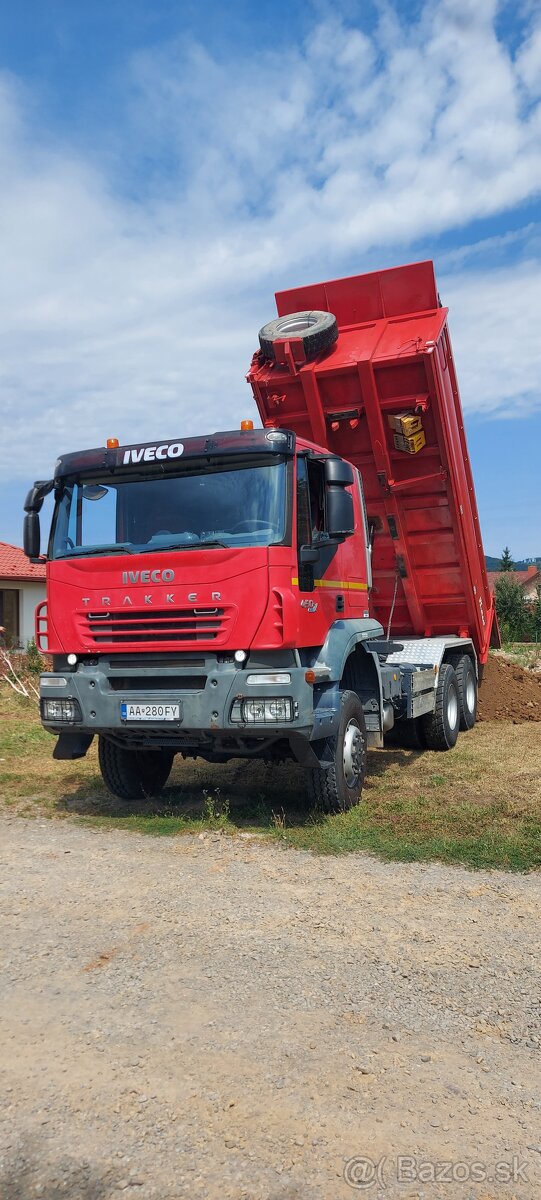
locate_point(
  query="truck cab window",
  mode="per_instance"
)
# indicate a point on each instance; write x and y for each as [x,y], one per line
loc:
[245,505]
[92,516]
[316,487]
[304,526]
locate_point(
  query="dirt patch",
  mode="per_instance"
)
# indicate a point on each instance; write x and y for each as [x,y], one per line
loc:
[509,693]
[284,1022]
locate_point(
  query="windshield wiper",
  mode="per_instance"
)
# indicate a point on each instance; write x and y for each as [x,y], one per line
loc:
[93,551]
[185,545]
[157,547]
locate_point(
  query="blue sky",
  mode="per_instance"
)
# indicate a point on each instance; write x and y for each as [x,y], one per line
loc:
[166,167]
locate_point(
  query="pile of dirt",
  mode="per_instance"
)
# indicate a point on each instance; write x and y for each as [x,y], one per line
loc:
[509,693]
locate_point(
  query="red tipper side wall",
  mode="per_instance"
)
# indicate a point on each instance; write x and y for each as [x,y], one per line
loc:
[393,355]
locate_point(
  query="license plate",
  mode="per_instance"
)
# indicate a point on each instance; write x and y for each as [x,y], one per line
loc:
[150,712]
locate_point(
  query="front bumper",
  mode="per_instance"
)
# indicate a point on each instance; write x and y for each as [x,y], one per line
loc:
[206,690]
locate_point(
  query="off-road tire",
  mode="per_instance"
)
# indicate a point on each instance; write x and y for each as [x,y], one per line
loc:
[467,689]
[441,727]
[317,330]
[338,787]
[133,774]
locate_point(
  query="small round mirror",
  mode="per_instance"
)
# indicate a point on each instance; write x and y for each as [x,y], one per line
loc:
[94,491]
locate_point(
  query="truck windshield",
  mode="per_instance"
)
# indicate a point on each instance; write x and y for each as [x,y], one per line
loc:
[243,505]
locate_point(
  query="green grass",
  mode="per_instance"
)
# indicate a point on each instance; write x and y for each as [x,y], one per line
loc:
[479,805]
[527,654]
[460,838]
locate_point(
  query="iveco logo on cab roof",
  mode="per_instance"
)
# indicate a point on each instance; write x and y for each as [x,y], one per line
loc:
[151,453]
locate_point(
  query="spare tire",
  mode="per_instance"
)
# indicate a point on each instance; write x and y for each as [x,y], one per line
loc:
[318,331]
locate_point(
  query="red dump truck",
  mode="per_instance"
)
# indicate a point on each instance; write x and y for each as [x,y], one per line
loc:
[299,591]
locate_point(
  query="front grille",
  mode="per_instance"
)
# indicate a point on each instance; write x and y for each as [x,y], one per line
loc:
[158,661]
[127,626]
[157,683]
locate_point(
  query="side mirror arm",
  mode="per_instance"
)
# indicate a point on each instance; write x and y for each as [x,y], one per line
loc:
[37,494]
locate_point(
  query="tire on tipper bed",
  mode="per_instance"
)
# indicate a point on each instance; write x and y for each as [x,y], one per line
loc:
[317,330]
[467,689]
[337,788]
[133,774]
[440,727]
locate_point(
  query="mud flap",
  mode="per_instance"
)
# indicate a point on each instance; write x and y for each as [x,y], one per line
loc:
[72,745]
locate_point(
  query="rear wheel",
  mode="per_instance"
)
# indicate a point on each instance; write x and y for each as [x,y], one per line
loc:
[467,689]
[440,727]
[133,774]
[338,787]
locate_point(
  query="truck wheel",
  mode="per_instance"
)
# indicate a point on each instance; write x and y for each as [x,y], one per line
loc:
[467,689]
[133,774]
[440,727]
[318,331]
[336,788]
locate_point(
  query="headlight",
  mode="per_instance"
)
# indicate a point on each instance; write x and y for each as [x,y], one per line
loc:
[261,711]
[53,681]
[67,711]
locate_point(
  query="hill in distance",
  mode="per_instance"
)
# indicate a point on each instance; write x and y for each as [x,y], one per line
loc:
[493,564]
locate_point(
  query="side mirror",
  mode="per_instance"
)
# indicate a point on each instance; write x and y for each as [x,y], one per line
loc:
[340,520]
[338,473]
[31,535]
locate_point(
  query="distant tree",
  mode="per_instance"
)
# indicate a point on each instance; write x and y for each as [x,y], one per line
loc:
[506,562]
[514,616]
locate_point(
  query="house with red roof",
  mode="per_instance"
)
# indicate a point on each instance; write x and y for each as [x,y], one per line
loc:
[529,580]
[22,587]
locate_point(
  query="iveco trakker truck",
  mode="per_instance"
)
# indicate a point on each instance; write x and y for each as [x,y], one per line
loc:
[296,591]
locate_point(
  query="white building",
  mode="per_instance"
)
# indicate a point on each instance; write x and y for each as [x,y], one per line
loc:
[22,587]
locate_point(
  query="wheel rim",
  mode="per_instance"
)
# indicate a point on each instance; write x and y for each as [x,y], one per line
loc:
[297,324]
[470,695]
[452,707]
[352,754]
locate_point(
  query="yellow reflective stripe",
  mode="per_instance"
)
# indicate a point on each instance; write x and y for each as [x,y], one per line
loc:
[337,583]
[341,583]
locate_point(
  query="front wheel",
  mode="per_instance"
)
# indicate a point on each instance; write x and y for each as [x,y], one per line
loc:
[440,727]
[338,787]
[133,774]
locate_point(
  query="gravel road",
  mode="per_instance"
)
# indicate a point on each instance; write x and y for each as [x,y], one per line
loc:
[214,1017]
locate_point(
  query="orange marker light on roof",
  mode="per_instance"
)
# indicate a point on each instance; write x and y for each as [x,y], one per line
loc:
[112,443]
[246,425]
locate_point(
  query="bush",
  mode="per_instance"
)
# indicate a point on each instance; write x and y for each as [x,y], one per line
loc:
[536,617]
[514,615]
[35,663]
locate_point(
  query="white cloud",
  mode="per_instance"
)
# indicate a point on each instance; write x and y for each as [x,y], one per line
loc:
[137,317]
[497,353]
[529,63]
